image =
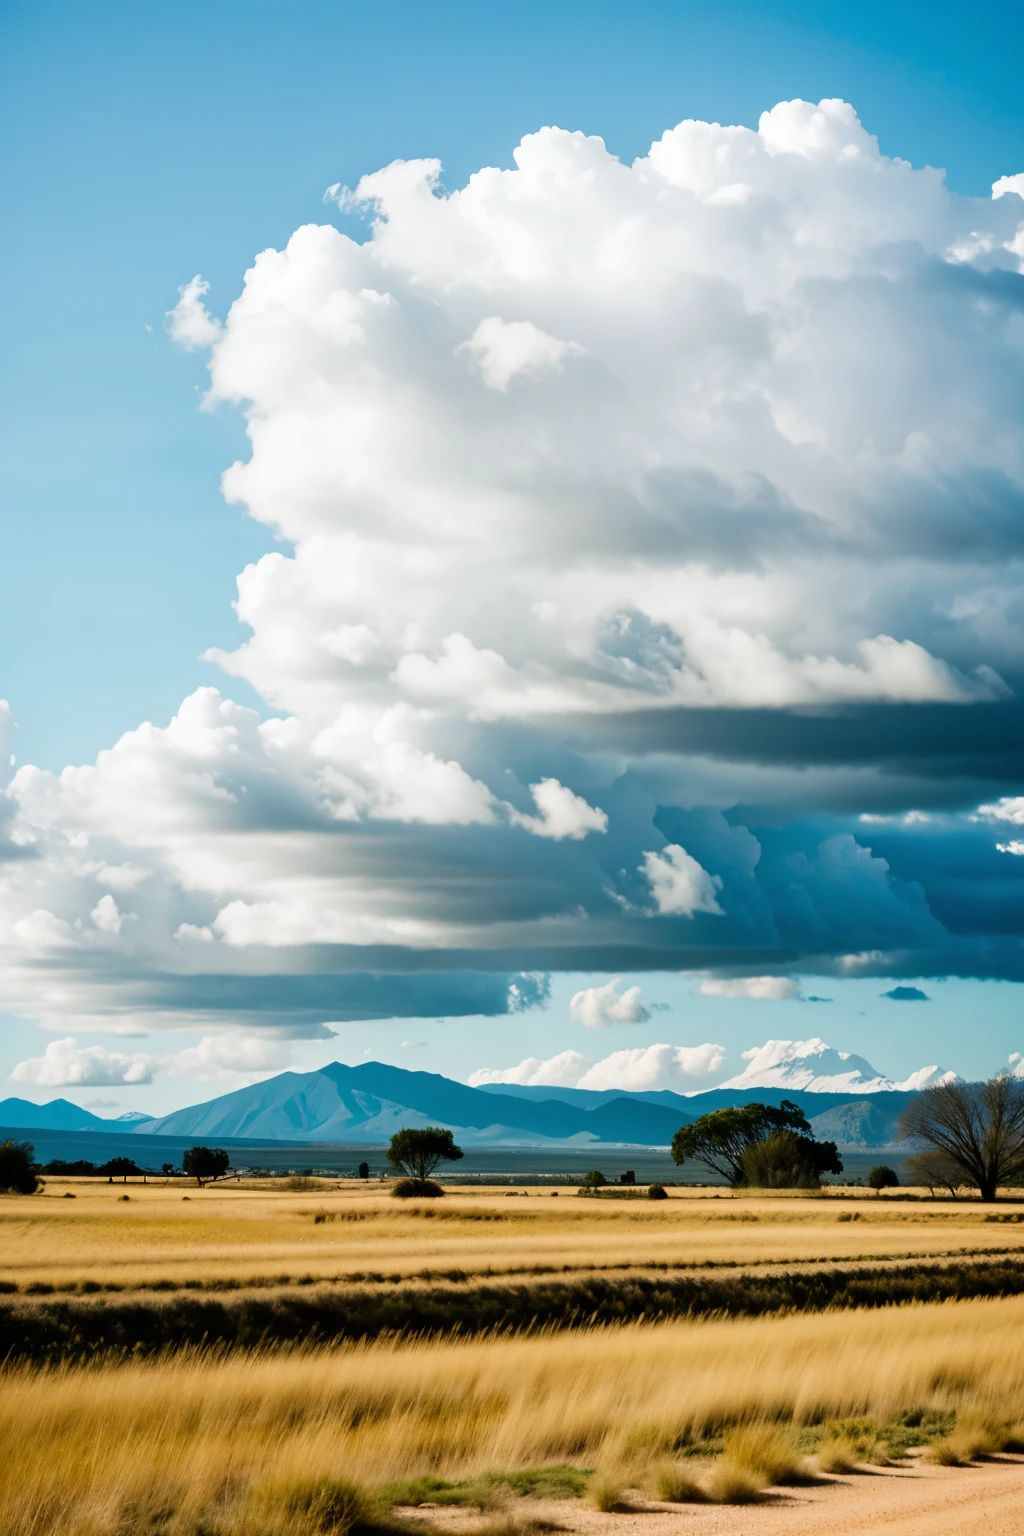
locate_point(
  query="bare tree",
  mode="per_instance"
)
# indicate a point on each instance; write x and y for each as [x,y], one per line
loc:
[979,1126]
[935,1170]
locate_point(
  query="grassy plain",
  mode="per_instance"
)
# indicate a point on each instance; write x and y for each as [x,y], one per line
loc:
[178,1233]
[198,1444]
[315,1440]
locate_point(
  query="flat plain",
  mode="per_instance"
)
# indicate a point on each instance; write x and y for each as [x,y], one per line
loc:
[586,1423]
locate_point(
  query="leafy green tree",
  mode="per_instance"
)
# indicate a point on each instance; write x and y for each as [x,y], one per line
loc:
[788,1161]
[417,1153]
[17,1168]
[119,1167]
[364,1171]
[720,1139]
[978,1126]
[206,1163]
[594,1179]
[883,1177]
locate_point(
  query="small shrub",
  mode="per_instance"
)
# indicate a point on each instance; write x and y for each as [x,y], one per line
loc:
[674,1485]
[327,1506]
[730,1483]
[657,1192]
[605,1492]
[765,1450]
[883,1177]
[976,1435]
[838,1454]
[409,1189]
[594,1179]
[943,1453]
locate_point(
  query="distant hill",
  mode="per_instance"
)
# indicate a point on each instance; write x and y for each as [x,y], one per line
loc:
[58,1115]
[365,1105]
[370,1102]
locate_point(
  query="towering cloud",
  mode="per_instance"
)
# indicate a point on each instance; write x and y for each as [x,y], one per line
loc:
[624,509]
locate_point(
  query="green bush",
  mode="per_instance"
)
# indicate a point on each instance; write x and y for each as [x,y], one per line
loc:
[657,1192]
[407,1189]
[883,1177]
[17,1168]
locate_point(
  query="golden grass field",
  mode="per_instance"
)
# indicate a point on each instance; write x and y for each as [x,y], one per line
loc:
[195,1444]
[305,1442]
[227,1233]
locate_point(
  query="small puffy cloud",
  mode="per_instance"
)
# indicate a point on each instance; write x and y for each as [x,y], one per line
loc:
[561,1071]
[189,323]
[907,995]
[598,1007]
[228,1056]
[562,813]
[43,930]
[121,877]
[106,916]
[761,989]
[679,885]
[649,1067]
[66,1064]
[1008,808]
[503,350]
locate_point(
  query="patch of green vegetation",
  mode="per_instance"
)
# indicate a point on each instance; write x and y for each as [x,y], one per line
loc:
[487,1489]
[915,1427]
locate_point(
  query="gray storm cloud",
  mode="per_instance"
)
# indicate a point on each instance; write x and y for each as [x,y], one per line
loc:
[653,602]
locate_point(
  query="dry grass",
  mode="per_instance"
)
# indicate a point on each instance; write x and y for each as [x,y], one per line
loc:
[236,1235]
[196,1443]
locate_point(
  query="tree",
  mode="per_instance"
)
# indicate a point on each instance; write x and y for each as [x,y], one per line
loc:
[119,1167]
[788,1161]
[719,1140]
[206,1163]
[934,1170]
[417,1153]
[364,1171]
[883,1177]
[17,1168]
[980,1126]
[168,1169]
[80,1168]
[594,1179]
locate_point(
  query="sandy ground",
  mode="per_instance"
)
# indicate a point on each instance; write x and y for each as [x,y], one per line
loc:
[916,1500]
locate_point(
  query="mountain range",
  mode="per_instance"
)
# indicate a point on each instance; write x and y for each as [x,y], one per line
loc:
[366,1104]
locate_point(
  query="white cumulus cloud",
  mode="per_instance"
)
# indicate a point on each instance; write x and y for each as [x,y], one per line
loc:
[561,1071]
[190,323]
[679,885]
[682,1068]
[645,1068]
[66,1064]
[597,1007]
[562,813]
[761,989]
[565,468]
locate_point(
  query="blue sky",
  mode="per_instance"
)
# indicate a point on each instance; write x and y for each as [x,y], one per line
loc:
[152,143]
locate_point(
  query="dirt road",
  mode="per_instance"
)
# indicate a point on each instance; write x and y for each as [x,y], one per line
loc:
[985,1500]
[913,1500]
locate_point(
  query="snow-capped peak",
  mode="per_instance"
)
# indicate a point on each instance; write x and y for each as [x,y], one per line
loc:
[815,1067]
